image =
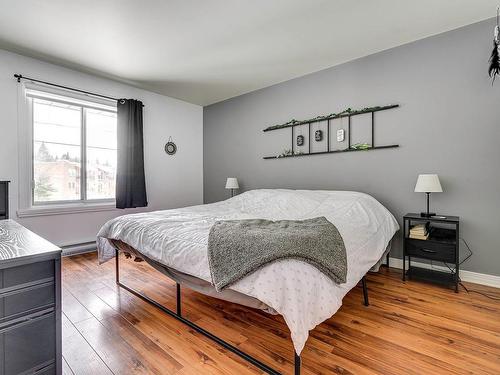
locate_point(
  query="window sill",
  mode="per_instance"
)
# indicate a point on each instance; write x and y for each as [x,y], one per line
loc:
[62,209]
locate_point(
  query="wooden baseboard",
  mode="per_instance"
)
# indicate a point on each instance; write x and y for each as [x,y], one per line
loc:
[469,276]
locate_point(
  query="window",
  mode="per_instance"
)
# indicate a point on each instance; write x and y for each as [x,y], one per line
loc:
[73,149]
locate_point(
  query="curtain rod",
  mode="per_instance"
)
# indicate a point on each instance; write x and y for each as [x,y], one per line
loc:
[20,77]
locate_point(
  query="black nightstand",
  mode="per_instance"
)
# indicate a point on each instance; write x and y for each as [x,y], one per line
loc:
[442,245]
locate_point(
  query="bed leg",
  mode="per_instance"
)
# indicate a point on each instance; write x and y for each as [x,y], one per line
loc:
[297,364]
[178,304]
[365,291]
[117,266]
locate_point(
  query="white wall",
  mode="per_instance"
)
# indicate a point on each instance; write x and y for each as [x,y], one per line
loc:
[172,181]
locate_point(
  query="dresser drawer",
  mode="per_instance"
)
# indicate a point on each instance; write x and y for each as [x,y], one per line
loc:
[443,252]
[28,346]
[48,370]
[24,301]
[29,274]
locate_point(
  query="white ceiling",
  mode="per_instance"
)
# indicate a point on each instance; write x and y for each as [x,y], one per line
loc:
[205,51]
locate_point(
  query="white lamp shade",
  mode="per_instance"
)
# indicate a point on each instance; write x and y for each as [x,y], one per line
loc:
[428,183]
[232,183]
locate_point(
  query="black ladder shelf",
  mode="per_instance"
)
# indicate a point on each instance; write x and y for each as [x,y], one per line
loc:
[348,113]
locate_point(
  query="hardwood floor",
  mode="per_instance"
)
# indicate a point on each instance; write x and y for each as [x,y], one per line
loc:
[409,328]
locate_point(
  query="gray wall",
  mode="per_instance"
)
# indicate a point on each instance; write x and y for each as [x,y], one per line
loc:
[448,123]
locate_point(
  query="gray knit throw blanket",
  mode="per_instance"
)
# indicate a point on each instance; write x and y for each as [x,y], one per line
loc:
[237,248]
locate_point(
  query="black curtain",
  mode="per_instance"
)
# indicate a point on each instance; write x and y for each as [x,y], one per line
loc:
[130,181]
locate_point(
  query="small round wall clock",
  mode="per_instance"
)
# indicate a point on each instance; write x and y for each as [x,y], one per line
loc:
[170,147]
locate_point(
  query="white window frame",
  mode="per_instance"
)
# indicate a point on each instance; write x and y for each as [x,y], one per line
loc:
[27,206]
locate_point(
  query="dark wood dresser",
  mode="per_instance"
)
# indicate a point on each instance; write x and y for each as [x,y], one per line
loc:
[30,302]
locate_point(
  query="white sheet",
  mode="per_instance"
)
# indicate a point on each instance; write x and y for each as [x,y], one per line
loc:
[299,292]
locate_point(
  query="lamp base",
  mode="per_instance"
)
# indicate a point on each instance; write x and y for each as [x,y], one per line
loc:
[427,214]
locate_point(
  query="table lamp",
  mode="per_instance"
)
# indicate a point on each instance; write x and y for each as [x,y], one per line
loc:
[232,183]
[428,183]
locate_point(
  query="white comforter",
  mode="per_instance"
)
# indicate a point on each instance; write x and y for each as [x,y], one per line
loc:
[298,291]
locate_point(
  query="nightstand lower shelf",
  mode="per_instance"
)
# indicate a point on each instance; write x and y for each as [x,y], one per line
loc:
[443,278]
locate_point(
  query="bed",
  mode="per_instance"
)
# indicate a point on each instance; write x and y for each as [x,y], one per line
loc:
[175,242]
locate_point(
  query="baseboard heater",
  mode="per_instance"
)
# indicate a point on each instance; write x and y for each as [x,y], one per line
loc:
[78,248]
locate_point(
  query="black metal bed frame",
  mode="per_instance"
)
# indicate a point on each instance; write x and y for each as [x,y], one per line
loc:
[178,315]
